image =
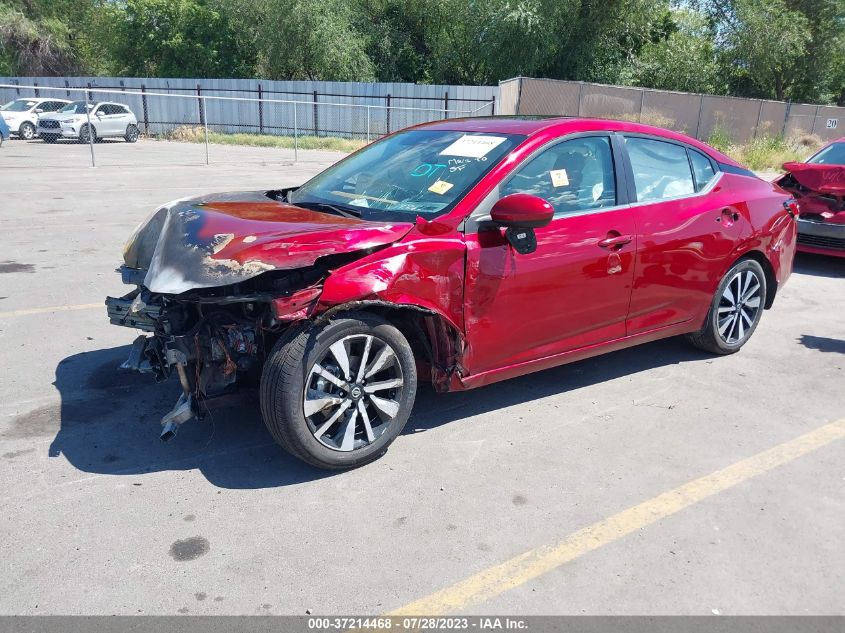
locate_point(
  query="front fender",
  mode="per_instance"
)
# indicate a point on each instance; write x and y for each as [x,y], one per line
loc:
[427,273]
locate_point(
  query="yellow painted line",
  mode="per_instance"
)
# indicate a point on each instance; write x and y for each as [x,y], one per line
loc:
[517,571]
[81,306]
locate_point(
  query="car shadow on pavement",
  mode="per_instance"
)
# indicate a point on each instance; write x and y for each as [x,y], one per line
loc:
[823,343]
[109,419]
[819,265]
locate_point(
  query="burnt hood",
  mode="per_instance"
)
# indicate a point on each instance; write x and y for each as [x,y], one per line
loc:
[222,239]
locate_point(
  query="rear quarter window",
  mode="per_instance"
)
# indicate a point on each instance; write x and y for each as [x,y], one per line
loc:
[661,170]
[702,169]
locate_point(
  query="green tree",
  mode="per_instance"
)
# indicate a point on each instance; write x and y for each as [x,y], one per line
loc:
[310,39]
[180,38]
[683,58]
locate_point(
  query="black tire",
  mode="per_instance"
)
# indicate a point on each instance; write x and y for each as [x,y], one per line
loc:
[49,138]
[26,131]
[709,338]
[83,134]
[132,133]
[288,368]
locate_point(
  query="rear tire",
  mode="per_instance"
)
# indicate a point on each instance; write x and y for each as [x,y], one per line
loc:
[132,133]
[26,131]
[306,368]
[735,311]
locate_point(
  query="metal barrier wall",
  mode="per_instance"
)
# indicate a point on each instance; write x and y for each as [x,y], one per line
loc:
[206,120]
[694,114]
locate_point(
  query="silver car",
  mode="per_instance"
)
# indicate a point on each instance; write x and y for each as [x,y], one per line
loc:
[22,115]
[107,120]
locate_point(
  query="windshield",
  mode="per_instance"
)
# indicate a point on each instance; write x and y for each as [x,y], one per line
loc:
[75,107]
[19,105]
[418,172]
[831,155]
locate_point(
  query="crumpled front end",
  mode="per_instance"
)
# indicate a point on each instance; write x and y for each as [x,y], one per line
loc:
[217,281]
[820,193]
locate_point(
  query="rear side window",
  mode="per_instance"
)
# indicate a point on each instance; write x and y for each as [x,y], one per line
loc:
[702,169]
[661,170]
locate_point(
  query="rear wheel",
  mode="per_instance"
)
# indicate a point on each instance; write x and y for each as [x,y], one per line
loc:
[735,311]
[26,131]
[132,133]
[338,394]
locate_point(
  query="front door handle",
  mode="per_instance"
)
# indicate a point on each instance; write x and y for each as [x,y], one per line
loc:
[615,241]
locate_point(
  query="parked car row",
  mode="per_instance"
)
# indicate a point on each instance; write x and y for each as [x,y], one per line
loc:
[54,119]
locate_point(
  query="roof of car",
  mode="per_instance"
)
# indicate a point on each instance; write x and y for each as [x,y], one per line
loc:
[531,125]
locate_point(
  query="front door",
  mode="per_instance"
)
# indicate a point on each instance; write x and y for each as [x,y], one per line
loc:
[574,290]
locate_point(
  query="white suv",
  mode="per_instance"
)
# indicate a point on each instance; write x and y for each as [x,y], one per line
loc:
[107,120]
[22,115]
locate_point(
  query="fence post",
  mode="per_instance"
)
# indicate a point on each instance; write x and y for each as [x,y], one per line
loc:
[813,129]
[446,105]
[700,110]
[295,136]
[316,126]
[200,105]
[759,117]
[580,94]
[205,125]
[388,113]
[368,124]
[37,92]
[90,132]
[144,106]
[260,110]
[642,101]
[67,85]
[493,106]
[786,117]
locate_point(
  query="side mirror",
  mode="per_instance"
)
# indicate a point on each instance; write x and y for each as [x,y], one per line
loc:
[38,110]
[523,211]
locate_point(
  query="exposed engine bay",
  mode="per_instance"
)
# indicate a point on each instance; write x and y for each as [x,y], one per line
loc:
[217,283]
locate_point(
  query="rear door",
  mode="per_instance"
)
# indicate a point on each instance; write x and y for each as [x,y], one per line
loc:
[573,290]
[688,226]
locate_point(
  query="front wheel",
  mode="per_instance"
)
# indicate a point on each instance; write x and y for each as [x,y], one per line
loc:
[85,134]
[26,131]
[336,395]
[735,311]
[132,133]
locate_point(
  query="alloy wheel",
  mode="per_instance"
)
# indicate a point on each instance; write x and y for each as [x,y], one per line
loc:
[739,307]
[352,392]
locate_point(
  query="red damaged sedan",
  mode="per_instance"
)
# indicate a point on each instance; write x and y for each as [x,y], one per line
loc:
[819,187]
[461,252]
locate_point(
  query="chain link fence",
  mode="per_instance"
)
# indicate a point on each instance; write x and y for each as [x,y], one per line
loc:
[149,127]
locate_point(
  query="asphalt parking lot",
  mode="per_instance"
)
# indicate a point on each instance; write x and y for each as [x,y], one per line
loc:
[564,492]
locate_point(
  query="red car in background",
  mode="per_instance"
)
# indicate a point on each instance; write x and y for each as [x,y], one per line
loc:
[461,252]
[819,187]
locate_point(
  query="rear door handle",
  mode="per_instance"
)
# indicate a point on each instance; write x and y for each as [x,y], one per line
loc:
[615,242]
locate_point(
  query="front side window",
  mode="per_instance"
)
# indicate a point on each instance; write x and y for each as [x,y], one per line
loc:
[833,154]
[418,172]
[573,176]
[702,169]
[661,170]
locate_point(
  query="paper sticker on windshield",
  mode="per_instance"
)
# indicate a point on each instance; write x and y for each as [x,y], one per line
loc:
[473,146]
[440,187]
[559,178]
